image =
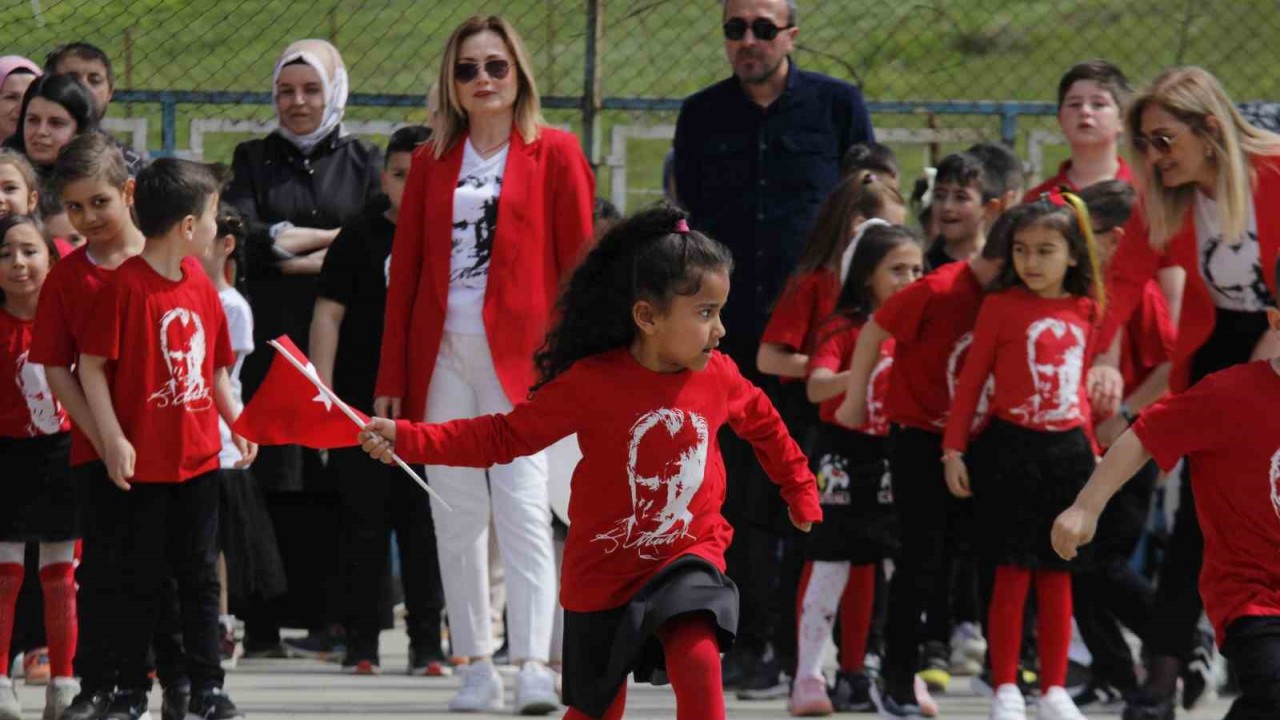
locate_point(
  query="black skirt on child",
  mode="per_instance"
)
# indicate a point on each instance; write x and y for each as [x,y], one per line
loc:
[602,647]
[42,503]
[248,540]
[1022,480]
[859,524]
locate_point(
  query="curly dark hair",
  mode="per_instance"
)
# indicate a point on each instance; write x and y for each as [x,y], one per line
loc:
[644,257]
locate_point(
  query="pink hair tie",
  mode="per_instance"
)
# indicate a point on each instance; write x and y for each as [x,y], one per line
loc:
[682,226]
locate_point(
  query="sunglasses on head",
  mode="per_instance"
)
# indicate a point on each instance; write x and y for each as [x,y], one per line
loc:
[761,28]
[1161,142]
[465,72]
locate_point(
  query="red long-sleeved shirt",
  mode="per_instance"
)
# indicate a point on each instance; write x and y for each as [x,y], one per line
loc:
[651,480]
[834,351]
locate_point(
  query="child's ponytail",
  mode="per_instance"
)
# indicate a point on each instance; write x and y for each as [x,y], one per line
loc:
[1091,244]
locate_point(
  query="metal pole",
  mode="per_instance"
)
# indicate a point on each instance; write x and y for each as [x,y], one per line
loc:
[591,82]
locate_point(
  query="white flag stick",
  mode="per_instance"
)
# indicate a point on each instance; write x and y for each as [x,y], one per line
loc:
[346,410]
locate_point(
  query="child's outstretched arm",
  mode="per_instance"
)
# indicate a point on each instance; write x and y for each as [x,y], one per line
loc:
[117,451]
[777,359]
[853,411]
[977,368]
[1078,523]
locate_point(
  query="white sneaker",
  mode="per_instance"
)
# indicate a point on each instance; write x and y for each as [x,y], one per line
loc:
[10,708]
[1008,704]
[481,689]
[968,649]
[62,691]
[1057,705]
[536,690]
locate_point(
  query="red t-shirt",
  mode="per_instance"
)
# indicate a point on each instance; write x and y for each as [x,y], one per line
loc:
[68,296]
[27,405]
[1123,174]
[1148,337]
[929,320]
[1036,349]
[1227,427]
[834,352]
[163,340]
[806,302]
[651,481]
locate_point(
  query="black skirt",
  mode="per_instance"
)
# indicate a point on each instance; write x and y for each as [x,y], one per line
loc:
[248,540]
[859,524]
[602,647]
[41,501]
[1022,480]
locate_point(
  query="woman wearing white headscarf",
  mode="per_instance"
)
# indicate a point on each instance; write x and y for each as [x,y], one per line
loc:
[295,188]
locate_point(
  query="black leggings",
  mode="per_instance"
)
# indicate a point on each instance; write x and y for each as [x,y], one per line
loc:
[1253,647]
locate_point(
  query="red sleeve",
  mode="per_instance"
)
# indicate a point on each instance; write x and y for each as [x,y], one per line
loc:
[573,194]
[791,320]
[835,352]
[51,341]
[977,367]
[1134,263]
[552,413]
[901,314]
[1151,328]
[754,419]
[102,334]
[403,278]
[1175,426]
[223,355]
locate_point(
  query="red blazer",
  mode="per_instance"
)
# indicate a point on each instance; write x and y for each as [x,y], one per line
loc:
[544,227]
[1136,261]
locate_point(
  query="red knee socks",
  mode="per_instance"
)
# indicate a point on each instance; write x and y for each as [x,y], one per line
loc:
[693,664]
[1004,622]
[59,585]
[856,607]
[1053,625]
[10,584]
[613,713]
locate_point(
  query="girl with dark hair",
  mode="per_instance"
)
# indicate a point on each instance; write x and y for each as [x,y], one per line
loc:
[643,583]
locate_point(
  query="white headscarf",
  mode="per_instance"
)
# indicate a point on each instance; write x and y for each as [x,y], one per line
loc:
[325,59]
[847,258]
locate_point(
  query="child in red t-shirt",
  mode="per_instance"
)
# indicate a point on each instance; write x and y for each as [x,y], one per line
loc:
[1227,429]
[40,503]
[154,366]
[1034,336]
[858,530]
[632,368]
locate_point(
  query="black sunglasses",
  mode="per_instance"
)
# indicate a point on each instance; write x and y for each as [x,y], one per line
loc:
[465,72]
[761,28]
[1163,143]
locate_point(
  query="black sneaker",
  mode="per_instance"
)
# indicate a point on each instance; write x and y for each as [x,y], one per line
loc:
[174,701]
[1028,683]
[212,704]
[767,682]
[427,663]
[1143,706]
[1198,673]
[1103,694]
[88,706]
[128,705]
[736,667]
[936,669]
[903,706]
[852,692]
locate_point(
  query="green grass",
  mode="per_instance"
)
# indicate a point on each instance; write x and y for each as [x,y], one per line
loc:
[896,49]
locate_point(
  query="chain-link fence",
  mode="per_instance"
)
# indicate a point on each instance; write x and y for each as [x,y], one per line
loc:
[194,77]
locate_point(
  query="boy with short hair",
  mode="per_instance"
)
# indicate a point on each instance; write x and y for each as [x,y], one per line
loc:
[92,67]
[154,370]
[969,193]
[1092,99]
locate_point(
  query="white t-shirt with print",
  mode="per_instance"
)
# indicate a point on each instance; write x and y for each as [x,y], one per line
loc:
[240,328]
[1231,270]
[475,219]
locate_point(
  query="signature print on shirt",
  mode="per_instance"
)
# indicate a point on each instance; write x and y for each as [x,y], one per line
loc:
[1055,357]
[472,241]
[1275,483]
[666,461]
[1234,271]
[182,343]
[44,409]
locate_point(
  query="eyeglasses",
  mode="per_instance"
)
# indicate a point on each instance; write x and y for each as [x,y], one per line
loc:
[1161,142]
[465,72]
[761,28]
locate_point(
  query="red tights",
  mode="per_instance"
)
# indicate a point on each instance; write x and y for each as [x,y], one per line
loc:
[1053,623]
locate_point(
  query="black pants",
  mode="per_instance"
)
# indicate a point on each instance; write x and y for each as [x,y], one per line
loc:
[748,557]
[1109,592]
[377,499]
[1253,647]
[96,592]
[150,535]
[930,517]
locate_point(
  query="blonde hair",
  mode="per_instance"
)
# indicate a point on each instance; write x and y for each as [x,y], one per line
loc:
[451,123]
[1193,95]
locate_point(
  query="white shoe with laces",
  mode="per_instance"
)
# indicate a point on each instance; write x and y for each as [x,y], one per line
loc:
[1008,704]
[481,689]
[10,708]
[536,690]
[58,696]
[1057,705]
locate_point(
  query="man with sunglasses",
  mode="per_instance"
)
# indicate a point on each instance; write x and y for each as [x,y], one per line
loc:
[755,154]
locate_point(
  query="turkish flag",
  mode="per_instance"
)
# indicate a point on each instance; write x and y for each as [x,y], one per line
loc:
[291,407]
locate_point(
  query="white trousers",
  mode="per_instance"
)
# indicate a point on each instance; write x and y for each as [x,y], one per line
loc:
[465,385]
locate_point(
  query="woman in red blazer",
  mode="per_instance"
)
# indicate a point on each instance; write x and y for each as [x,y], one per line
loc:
[1210,186]
[496,213]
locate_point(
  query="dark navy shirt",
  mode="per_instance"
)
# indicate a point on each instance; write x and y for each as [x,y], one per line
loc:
[753,178]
